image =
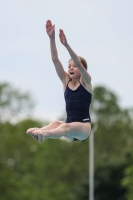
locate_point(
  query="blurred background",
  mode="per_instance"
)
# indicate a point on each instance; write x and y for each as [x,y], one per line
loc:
[31,95]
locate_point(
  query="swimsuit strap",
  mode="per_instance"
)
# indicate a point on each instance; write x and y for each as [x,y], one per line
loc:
[68,83]
[70,80]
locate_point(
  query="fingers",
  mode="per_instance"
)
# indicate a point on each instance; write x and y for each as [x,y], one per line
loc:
[61,32]
[62,37]
[48,23]
[50,29]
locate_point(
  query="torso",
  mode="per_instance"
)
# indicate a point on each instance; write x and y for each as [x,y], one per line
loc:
[73,87]
[88,87]
[78,100]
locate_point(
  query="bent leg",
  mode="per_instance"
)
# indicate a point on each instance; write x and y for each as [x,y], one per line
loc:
[52,125]
[73,130]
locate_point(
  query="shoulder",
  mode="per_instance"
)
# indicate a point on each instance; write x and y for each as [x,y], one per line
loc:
[87,84]
[88,79]
[65,80]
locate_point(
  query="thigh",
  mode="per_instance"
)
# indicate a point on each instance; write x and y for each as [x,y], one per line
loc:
[78,130]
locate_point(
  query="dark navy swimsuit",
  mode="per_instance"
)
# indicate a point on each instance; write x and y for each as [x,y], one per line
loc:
[77,105]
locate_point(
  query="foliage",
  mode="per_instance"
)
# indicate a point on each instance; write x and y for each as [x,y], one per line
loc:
[128,179]
[113,140]
[108,180]
[13,102]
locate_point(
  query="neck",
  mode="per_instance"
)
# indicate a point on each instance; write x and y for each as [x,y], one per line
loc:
[75,81]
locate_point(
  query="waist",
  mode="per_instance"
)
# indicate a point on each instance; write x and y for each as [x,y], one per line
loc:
[81,119]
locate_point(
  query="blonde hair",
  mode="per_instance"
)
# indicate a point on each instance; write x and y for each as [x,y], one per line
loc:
[83,61]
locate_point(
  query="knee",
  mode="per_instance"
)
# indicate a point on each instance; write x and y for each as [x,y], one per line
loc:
[56,123]
[65,126]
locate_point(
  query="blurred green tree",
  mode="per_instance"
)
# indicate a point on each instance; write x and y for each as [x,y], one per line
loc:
[113,139]
[128,179]
[13,102]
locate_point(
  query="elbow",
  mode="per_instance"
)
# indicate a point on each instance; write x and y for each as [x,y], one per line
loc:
[77,61]
[55,59]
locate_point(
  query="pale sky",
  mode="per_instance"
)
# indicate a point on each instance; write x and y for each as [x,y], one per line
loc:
[100,31]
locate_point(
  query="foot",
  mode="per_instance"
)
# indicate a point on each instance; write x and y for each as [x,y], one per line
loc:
[30,130]
[40,134]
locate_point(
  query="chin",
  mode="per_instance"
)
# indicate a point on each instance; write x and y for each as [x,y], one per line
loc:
[72,77]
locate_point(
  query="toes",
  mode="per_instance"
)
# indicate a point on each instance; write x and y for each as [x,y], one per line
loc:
[38,131]
[29,133]
[35,132]
[30,130]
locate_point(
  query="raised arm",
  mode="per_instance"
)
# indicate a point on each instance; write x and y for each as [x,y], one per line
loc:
[85,75]
[50,29]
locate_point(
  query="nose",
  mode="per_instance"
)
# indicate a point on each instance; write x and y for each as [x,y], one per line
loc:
[71,67]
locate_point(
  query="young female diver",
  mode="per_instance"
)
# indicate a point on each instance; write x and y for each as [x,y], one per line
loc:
[77,92]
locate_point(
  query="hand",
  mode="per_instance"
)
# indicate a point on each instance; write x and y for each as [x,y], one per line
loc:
[62,37]
[50,29]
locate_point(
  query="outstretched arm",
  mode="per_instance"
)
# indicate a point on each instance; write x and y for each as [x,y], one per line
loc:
[75,58]
[50,29]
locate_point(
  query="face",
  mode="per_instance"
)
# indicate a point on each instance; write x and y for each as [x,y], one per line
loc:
[73,70]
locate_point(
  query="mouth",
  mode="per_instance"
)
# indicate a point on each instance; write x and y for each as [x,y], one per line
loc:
[71,73]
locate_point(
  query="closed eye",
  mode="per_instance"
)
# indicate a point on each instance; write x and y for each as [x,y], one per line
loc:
[69,66]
